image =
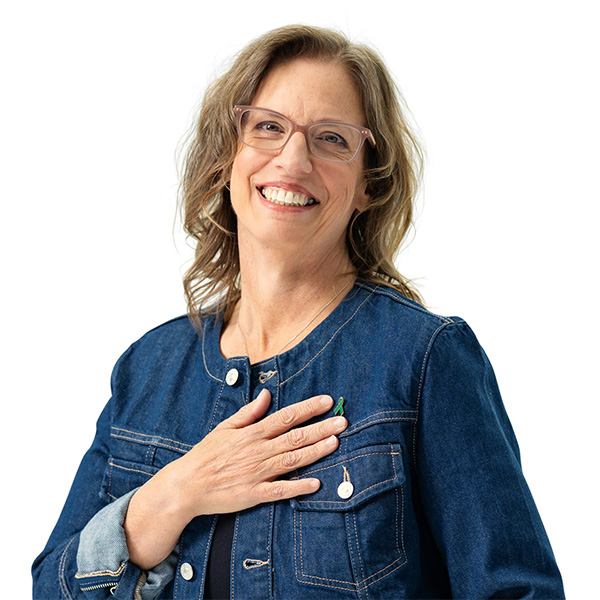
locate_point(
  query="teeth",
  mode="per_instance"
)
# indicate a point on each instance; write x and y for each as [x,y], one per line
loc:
[286,198]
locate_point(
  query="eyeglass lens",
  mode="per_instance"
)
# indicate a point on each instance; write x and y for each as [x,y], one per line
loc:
[267,130]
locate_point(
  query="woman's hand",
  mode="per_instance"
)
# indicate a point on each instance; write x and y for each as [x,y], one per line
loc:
[234,467]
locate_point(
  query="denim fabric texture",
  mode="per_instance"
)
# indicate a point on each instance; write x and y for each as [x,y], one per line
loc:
[438,505]
[102,552]
[102,543]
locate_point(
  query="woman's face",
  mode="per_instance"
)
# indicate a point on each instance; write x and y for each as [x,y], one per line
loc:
[306,91]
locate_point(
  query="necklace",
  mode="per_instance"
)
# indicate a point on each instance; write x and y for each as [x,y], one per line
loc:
[243,337]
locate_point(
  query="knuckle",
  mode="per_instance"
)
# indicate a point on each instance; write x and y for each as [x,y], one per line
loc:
[324,429]
[252,455]
[278,489]
[289,459]
[286,415]
[296,437]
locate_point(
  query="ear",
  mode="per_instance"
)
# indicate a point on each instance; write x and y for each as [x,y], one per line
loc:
[361,197]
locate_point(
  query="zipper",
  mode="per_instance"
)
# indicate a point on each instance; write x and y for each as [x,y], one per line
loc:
[112,586]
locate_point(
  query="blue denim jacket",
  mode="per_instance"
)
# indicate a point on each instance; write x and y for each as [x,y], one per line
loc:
[437,506]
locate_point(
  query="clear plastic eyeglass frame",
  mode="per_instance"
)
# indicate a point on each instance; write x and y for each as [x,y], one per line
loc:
[240,110]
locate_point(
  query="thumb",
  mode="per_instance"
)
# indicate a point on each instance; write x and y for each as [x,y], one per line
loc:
[250,413]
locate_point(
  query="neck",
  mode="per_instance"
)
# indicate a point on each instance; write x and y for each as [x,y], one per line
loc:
[282,301]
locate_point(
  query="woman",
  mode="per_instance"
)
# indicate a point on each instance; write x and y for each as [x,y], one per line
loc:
[310,431]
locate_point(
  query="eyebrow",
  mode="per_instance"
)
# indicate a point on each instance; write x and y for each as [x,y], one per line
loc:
[321,120]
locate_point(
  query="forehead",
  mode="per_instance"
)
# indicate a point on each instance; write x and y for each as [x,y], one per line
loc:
[309,90]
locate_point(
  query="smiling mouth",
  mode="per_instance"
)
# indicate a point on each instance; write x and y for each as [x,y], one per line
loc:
[286,197]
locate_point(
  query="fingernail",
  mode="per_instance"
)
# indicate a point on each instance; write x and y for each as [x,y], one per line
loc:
[339,423]
[315,484]
[331,440]
[326,401]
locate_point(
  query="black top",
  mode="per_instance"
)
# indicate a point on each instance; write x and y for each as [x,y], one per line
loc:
[218,574]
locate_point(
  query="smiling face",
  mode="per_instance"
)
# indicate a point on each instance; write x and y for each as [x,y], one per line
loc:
[288,198]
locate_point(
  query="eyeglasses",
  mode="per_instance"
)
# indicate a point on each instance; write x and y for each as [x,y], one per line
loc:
[328,140]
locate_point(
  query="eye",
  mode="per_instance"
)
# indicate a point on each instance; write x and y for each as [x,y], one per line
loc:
[330,137]
[269,127]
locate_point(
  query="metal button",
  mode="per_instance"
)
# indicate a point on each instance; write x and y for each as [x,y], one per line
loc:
[345,490]
[265,376]
[187,571]
[232,376]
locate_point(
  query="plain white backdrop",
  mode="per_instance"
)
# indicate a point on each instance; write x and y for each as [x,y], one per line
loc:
[95,99]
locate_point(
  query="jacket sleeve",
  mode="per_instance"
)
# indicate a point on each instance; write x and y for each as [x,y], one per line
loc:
[480,511]
[86,555]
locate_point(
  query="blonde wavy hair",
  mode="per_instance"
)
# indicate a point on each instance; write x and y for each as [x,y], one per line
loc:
[393,167]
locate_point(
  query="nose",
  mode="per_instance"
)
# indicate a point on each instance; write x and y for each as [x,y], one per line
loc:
[295,157]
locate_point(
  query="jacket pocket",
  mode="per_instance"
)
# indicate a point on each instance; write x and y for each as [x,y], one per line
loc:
[349,534]
[121,476]
[134,458]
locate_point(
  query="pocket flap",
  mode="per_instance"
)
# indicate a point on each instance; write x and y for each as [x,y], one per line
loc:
[362,473]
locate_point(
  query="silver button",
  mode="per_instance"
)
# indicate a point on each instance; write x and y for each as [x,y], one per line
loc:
[345,490]
[187,571]
[265,376]
[232,376]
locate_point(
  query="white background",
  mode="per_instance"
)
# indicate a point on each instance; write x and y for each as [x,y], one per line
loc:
[95,98]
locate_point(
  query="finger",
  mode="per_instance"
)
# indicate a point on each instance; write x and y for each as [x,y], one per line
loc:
[311,434]
[283,490]
[290,416]
[295,459]
[250,413]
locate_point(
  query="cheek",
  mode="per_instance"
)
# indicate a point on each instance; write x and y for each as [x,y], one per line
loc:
[234,179]
[239,180]
[246,163]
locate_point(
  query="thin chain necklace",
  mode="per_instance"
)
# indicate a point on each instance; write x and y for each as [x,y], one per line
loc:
[243,337]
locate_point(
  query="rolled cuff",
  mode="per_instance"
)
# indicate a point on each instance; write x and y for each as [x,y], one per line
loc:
[102,556]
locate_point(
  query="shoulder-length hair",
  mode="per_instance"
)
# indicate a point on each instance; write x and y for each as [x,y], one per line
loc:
[392,168]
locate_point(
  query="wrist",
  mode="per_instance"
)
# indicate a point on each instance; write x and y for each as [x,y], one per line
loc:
[156,516]
[175,501]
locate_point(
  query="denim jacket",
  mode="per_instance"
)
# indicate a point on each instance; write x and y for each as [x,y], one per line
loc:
[424,498]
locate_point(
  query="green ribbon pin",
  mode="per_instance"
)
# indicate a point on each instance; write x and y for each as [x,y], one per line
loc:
[339,409]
